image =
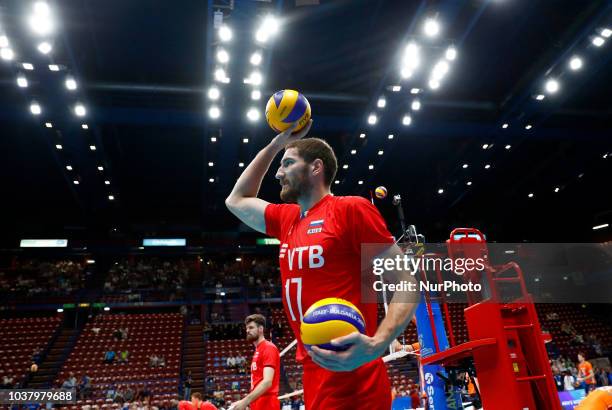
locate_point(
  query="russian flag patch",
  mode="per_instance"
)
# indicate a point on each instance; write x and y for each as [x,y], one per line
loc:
[318,222]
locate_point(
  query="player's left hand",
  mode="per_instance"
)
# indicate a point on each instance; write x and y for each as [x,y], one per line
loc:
[364,349]
[239,405]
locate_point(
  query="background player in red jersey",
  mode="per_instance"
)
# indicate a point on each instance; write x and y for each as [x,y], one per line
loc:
[265,369]
[196,403]
[320,256]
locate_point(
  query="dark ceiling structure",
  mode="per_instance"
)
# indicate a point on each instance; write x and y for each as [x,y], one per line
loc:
[107,129]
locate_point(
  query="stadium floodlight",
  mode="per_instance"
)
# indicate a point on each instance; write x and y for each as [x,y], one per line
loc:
[255,58]
[575,63]
[451,53]
[431,27]
[225,33]
[214,93]
[80,110]
[214,112]
[222,56]
[71,84]
[22,81]
[45,47]
[253,114]
[35,108]
[552,86]
[7,54]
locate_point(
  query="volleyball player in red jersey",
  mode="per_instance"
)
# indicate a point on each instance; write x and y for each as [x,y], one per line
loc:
[320,257]
[265,369]
[196,403]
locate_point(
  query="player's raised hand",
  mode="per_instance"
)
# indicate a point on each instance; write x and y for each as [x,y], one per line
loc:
[363,350]
[285,137]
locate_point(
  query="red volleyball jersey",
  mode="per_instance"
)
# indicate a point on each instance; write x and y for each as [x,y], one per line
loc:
[266,355]
[320,254]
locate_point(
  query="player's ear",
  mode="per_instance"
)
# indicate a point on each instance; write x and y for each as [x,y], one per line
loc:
[317,167]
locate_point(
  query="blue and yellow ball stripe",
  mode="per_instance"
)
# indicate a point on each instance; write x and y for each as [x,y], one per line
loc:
[286,107]
[329,319]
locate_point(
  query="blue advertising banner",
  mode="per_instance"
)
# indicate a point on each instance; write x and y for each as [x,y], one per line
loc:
[571,398]
[439,399]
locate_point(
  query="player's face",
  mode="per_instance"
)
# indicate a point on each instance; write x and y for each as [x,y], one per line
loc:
[253,331]
[293,176]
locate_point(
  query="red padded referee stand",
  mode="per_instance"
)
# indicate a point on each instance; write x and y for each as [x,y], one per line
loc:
[505,339]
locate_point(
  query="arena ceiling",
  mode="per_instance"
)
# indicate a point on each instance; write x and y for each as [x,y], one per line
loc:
[143,70]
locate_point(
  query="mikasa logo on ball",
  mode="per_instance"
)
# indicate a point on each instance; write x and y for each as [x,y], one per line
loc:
[313,254]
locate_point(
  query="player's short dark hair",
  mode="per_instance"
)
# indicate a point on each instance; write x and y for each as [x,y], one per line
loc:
[315,148]
[196,395]
[582,354]
[259,320]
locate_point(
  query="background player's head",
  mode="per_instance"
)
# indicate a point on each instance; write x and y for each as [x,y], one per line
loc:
[255,326]
[196,398]
[307,164]
[580,357]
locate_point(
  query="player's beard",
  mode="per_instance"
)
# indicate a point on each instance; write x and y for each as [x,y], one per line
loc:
[250,337]
[299,186]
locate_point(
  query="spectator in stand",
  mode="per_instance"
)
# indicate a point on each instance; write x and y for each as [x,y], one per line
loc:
[8,381]
[36,355]
[128,393]
[567,328]
[70,382]
[210,382]
[96,330]
[146,393]
[119,395]
[153,360]
[569,381]
[187,383]
[139,390]
[110,392]
[298,403]
[118,335]
[162,361]
[218,393]
[558,377]
[602,378]
[124,333]
[123,356]
[109,356]
[84,388]
[207,328]
[585,373]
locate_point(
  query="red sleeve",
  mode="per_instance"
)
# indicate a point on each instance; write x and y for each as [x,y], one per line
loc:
[276,215]
[271,357]
[366,224]
[208,406]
